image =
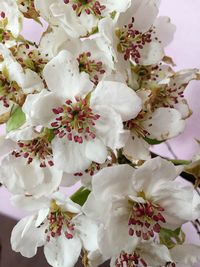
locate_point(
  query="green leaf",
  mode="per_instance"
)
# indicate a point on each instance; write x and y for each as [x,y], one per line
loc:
[153,141]
[16,120]
[171,238]
[80,196]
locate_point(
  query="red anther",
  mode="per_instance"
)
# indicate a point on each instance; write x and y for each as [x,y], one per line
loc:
[138,233]
[145,236]
[151,233]
[50,162]
[131,232]
[68,235]
[161,218]
[156,228]
[69,136]
[3,15]
[54,124]
[26,155]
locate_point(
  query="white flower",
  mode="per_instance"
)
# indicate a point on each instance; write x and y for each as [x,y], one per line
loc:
[76,17]
[14,18]
[85,121]
[22,164]
[162,124]
[90,59]
[15,81]
[134,38]
[135,203]
[28,179]
[145,254]
[28,80]
[59,226]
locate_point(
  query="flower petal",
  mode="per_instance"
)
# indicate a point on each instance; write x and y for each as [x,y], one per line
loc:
[164,123]
[109,127]
[22,178]
[69,156]
[118,96]
[96,151]
[136,149]
[62,251]
[87,231]
[152,174]
[41,105]
[26,242]
[186,254]
[69,81]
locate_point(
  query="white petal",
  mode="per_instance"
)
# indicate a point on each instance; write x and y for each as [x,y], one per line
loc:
[152,174]
[38,108]
[109,127]
[62,252]
[69,156]
[164,30]
[118,6]
[182,205]
[24,133]
[164,123]
[183,107]
[118,96]
[43,8]
[29,203]
[186,254]
[136,149]
[151,54]
[96,151]
[14,16]
[114,236]
[6,146]
[115,180]
[155,254]
[137,10]
[27,242]
[22,178]
[87,231]
[63,77]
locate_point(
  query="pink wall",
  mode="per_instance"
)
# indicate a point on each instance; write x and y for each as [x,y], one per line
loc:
[185,50]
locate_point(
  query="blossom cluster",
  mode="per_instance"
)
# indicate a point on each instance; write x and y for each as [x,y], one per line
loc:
[84,106]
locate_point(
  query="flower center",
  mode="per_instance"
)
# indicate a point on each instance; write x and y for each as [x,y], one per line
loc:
[10,90]
[76,121]
[38,148]
[144,219]
[130,260]
[136,127]
[29,59]
[58,222]
[132,41]
[90,66]
[88,6]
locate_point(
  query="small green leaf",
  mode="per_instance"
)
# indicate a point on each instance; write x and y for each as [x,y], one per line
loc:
[171,238]
[80,196]
[152,141]
[16,120]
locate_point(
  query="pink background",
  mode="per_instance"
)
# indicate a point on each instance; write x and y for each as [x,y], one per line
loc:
[185,50]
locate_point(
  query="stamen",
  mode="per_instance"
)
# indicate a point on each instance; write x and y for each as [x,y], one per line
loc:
[90,66]
[88,6]
[144,219]
[75,121]
[132,41]
[130,260]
